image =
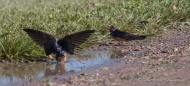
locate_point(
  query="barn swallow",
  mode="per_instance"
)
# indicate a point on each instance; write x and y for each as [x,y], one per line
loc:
[123,36]
[57,47]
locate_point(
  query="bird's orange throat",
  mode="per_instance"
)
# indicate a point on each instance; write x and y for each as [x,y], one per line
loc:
[111,29]
[62,58]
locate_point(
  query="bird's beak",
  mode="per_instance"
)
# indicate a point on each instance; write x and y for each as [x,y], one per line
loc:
[109,29]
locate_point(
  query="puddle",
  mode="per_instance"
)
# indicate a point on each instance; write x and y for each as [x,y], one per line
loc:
[17,72]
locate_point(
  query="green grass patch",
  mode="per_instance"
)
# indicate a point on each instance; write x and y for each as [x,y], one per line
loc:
[62,17]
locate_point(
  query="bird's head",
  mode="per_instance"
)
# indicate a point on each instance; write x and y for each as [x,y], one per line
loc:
[112,28]
[61,57]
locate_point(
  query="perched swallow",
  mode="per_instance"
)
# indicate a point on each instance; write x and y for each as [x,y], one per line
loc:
[52,45]
[123,36]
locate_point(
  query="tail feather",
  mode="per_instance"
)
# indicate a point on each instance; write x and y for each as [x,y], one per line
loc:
[137,37]
[143,37]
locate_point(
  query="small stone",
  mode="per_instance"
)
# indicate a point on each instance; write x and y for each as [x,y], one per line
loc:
[175,49]
[97,74]
[111,74]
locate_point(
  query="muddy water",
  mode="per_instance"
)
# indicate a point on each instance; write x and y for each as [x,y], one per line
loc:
[12,73]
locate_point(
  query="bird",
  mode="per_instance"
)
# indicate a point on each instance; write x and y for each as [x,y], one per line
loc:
[58,46]
[123,36]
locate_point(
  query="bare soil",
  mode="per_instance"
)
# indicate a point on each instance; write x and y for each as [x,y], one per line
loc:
[156,61]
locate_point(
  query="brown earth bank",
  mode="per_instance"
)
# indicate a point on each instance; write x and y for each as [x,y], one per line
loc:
[156,61]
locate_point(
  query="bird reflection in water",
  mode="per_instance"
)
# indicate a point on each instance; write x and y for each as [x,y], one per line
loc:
[59,69]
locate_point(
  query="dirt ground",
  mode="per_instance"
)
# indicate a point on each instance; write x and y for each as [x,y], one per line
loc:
[156,61]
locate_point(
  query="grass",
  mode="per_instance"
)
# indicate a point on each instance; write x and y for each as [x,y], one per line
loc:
[62,17]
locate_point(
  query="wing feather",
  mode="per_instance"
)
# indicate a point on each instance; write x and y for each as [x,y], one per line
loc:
[69,42]
[47,41]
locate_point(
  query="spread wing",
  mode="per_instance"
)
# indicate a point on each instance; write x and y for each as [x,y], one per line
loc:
[43,39]
[69,42]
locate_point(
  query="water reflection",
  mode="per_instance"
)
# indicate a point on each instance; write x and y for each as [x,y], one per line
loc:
[59,69]
[17,72]
[10,73]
